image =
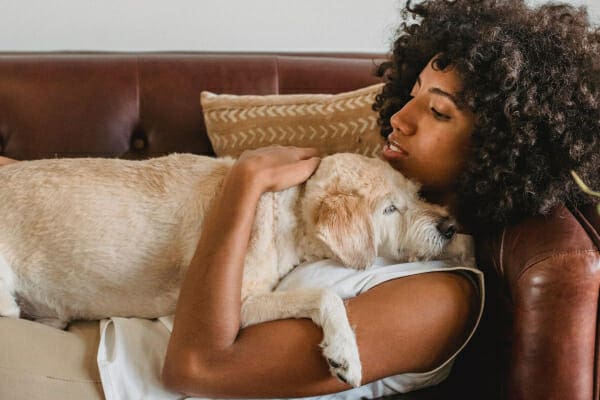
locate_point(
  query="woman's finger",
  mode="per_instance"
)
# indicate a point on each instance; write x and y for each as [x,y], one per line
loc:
[307,152]
[294,174]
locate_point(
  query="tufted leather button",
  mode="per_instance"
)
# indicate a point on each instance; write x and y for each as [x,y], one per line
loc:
[139,144]
[139,139]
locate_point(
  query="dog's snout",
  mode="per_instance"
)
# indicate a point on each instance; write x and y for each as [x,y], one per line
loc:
[447,227]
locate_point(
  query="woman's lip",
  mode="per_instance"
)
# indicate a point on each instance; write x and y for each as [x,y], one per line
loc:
[390,154]
[392,146]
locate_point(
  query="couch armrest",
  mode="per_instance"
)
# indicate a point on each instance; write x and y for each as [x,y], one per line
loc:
[549,269]
[555,306]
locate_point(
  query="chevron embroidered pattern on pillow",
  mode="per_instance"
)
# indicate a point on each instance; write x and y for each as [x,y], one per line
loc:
[334,123]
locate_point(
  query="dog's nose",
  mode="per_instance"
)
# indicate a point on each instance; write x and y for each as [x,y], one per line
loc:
[446,227]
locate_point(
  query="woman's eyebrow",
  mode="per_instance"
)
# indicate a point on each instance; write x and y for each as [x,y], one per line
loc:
[440,92]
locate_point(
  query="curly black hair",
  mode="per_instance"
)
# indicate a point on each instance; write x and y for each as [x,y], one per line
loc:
[532,78]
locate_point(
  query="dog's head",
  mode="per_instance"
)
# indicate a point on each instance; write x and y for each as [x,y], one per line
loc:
[361,208]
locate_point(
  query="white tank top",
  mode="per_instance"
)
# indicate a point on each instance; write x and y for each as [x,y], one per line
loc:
[131,350]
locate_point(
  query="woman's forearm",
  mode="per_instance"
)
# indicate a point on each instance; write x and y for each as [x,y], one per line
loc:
[208,310]
[205,343]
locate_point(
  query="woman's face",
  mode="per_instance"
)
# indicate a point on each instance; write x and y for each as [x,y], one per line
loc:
[431,133]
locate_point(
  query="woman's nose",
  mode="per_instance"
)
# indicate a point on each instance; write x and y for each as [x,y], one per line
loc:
[402,122]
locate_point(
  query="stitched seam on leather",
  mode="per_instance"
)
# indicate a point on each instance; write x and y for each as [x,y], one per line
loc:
[547,256]
[590,230]
[277,74]
[137,89]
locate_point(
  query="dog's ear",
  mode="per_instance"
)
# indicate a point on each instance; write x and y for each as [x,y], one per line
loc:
[343,223]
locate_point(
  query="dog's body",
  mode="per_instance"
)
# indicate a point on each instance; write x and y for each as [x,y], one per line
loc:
[94,238]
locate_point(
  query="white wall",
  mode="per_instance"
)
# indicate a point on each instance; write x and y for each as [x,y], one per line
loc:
[244,25]
[204,25]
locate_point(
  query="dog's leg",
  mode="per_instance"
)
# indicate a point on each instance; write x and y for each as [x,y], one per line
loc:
[327,310]
[8,305]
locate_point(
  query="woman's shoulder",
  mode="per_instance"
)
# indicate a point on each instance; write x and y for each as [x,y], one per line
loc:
[431,314]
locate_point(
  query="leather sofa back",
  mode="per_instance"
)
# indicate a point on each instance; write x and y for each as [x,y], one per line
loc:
[148,104]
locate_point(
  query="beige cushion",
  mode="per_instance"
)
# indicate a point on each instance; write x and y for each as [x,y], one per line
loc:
[40,362]
[334,123]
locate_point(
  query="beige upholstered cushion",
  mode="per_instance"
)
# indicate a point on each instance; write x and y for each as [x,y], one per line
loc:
[334,123]
[40,362]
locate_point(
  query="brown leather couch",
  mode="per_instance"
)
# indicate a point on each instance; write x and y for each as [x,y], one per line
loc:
[539,336]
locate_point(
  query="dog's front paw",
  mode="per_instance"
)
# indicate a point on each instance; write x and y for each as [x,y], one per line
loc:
[8,306]
[341,353]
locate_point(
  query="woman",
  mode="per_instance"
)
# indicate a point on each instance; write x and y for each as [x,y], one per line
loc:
[489,105]
[419,320]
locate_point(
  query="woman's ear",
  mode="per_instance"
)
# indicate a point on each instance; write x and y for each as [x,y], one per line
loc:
[344,225]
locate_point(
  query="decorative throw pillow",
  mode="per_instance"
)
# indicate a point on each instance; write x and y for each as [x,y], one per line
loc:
[334,123]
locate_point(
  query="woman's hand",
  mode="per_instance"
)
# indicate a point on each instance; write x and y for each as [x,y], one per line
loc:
[277,168]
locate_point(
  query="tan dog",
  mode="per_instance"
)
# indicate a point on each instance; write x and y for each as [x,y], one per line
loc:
[95,238]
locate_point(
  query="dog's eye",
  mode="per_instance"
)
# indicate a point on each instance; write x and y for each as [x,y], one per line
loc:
[390,209]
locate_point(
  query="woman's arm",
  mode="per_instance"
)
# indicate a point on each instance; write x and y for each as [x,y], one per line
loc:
[6,160]
[408,324]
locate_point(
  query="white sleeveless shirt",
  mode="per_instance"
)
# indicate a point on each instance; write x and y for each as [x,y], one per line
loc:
[131,350]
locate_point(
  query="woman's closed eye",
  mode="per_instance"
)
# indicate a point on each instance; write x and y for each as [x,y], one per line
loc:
[439,116]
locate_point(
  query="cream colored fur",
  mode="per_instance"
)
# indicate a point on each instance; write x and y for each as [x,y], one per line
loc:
[94,238]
